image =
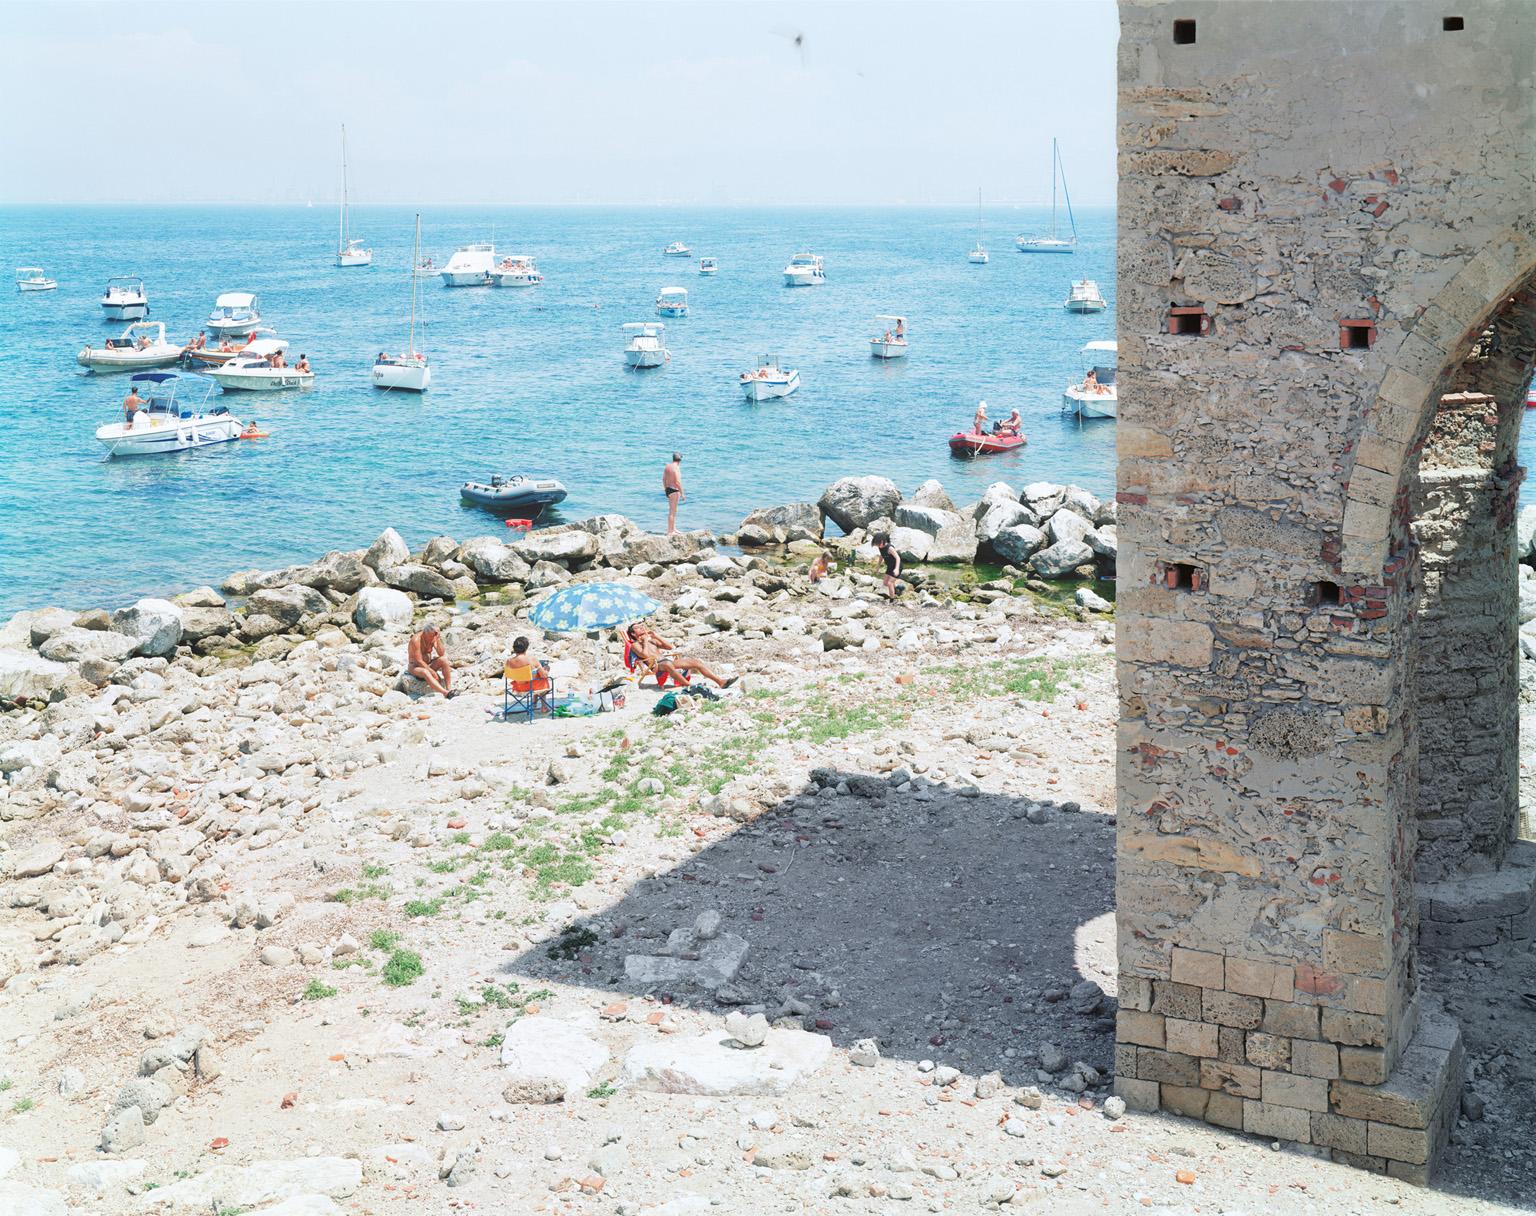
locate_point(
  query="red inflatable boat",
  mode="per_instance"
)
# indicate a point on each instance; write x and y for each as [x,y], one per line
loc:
[969,443]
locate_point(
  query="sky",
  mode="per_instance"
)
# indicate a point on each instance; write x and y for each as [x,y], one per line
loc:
[639,103]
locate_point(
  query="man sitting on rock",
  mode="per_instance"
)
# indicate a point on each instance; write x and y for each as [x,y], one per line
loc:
[426,659]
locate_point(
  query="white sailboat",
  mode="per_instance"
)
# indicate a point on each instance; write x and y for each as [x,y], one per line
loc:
[349,249]
[978,255]
[1053,243]
[408,370]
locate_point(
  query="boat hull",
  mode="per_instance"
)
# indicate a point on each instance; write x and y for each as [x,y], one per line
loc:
[672,310]
[530,500]
[231,328]
[766,390]
[260,380]
[518,278]
[49,285]
[355,257]
[466,278]
[134,311]
[103,360]
[879,348]
[803,278]
[969,443]
[1086,306]
[978,259]
[157,437]
[1046,245]
[410,377]
[1090,405]
[642,359]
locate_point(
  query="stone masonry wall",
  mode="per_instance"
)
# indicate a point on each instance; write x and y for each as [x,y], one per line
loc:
[1317,217]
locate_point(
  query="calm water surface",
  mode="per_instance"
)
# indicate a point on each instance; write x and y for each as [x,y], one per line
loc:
[523,380]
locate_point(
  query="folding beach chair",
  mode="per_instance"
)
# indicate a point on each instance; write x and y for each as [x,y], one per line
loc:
[522,692]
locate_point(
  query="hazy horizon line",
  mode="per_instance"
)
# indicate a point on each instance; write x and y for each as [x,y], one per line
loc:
[718,206]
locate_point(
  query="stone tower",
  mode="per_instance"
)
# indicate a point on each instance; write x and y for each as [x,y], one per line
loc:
[1327,313]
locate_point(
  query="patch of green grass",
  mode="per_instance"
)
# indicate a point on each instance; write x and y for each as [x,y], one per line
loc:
[670,829]
[373,871]
[495,1040]
[498,842]
[542,855]
[605,1090]
[572,941]
[446,866]
[351,960]
[479,878]
[318,990]
[404,967]
[383,939]
[5,1084]
[423,907]
[352,895]
[572,870]
[1033,679]
[459,838]
[22,1105]
[496,998]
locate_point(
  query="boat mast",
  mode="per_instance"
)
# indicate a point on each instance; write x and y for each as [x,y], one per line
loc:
[1054,157]
[341,222]
[415,259]
[1066,194]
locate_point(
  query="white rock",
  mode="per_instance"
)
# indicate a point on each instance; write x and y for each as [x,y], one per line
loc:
[101,1176]
[865,1053]
[154,625]
[546,1060]
[382,608]
[706,1064]
[748,1030]
[25,676]
[257,1183]
[19,1200]
[37,860]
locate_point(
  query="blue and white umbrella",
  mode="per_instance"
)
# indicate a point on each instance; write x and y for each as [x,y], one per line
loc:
[587,607]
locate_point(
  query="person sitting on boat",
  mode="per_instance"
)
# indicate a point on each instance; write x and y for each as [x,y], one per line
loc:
[224,346]
[650,648]
[143,342]
[302,365]
[979,425]
[426,659]
[887,338]
[1010,425]
[1091,382]
[132,404]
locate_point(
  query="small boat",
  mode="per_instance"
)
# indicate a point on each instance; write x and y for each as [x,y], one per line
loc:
[1096,394]
[769,380]
[350,250]
[124,299]
[470,266]
[677,250]
[408,370]
[805,270]
[708,266]
[1084,297]
[987,443]
[205,356]
[645,347]
[32,278]
[164,424]
[142,345]
[516,270]
[529,495]
[978,255]
[891,343]
[234,315]
[1053,243]
[672,302]
[253,370]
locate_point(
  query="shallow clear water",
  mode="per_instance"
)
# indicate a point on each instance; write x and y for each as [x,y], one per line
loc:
[523,379]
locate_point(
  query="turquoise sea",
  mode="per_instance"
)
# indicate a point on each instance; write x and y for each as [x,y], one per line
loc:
[526,380]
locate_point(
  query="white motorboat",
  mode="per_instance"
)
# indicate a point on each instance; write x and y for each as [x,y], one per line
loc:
[1084,297]
[708,266]
[350,250]
[262,367]
[32,278]
[805,270]
[470,266]
[1096,395]
[645,347]
[516,270]
[769,380]
[234,315]
[124,299]
[889,342]
[142,345]
[677,250]
[978,255]
[196,357]
[672,302]
[408,370]
[162,423]
[1053,243]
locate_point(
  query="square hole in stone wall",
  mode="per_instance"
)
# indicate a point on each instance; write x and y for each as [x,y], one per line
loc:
[1357,335]
[1325,593]
[1188,321]
[1181,576]
[1449,24]
[1184,31]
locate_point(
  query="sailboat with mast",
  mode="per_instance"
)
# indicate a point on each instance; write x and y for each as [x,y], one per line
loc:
[1053,243]
[349,249]
[409,370]
[979,254]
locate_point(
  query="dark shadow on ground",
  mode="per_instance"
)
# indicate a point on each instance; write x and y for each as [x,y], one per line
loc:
[951,928]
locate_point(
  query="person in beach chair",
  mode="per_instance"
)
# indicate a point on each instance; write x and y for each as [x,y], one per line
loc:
[650,649]
[526,685]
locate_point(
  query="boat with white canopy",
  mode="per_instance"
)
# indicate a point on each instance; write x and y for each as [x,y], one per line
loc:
[408,370]
[162,420]
[672,302]
[142,345]
[769,380]
[516,270]
[708,266]
[1053,243]
[677,250]
[262,367]
[124,299]
[1096,395]
[1084,297]
[645,347]
[32,278]
[234,315]
[470,266]
[350,250]
[805,270]
[891,341]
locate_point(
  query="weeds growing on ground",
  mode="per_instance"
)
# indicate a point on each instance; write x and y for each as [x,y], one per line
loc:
[404,967]
[318,990]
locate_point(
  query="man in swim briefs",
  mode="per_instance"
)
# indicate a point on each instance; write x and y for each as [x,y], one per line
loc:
[427,660]
[672,487]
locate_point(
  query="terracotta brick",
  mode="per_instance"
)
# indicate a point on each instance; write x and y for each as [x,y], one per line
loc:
[1286,1089]
[1291,1020]
[1231,1009]
[1191,1038]
[1240,1080]
[1268,1051]
[1254,978]
[1166,1067]
[1176,1000]
[1145,1029]
[1224,1110]
[1185,1100]
[1315,1059]
[1357,1029]
[1202,968]
[1367,1065]
[1277,1122]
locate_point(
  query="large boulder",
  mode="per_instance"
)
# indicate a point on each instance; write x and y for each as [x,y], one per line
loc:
[46,622]
[343,571]
[611,532]
[954,543]
[75,645]
[911,543]
[382,608]
[154,625]
[200,623]
[648,548]
[26,677]
[389,550]
[925,519]
[931,494]
[781,525]
[1067,524]
[1061,559]
[492,561]
[1104,541]
[1075,498]
[568,546]
[997,492]
[423,580]
[857,502]
[999,515]
[1044,498]
[289,604]
[1017,543]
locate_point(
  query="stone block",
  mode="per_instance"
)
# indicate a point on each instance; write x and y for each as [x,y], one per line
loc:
[1137,1095]
[1290,1020]
[1268,1051]
[1202,968]
[1356,953]
[1399,1143]
[1409,1097]
[1239,1080]
[1287,1089]
[1356,1029]
[1176,1000]
[1277,1122]
[1145,1029]
[1254,978]
[1191,1038]
[1178,643]
[1224,1110]
[1365,1065]
[1311,1059]
[1336,1131]
[1231,1009]
[1125,1059]
[1135,992]
[1418,1175]
[1166,1067]
[1231,1045]
[1185,1100]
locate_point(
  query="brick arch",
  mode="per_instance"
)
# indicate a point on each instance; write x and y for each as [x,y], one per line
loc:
[1417,375]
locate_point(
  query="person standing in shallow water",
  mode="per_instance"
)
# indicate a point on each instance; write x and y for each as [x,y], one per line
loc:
[672,486]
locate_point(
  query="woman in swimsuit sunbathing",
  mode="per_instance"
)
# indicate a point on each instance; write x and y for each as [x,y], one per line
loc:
[649,648]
